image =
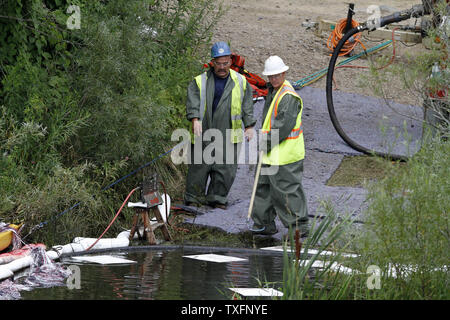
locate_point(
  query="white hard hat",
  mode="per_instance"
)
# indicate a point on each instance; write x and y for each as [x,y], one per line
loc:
[274,65]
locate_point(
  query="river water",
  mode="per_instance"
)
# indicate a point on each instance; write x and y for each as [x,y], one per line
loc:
[166,275]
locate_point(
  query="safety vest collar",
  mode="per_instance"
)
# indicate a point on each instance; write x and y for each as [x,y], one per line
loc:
[292,148]
[237,98]
[286,88]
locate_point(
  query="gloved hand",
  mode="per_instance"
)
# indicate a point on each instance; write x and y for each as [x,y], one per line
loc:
[197,127]
[263,142]
[249,133]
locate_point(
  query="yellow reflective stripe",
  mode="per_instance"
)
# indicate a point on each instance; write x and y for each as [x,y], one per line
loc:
[274,102]
[236,106]
[292,148]
[237,99]
[285,89]
[203,95]
[295,133]
[241,86]
[201,84]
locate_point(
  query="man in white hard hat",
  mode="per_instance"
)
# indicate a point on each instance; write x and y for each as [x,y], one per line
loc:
[281,193]
[219,99]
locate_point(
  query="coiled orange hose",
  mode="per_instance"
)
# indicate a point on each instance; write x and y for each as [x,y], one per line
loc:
[337,35]
[363,67]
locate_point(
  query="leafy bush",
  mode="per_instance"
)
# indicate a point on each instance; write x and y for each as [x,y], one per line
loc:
[406,235]
[82,107]
[415,72]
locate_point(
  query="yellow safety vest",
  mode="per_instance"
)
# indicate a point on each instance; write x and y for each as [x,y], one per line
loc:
[237,96]
[292,148]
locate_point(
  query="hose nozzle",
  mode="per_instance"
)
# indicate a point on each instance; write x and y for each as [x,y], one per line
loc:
[416,11]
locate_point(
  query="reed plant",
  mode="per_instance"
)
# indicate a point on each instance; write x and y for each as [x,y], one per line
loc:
[315,274]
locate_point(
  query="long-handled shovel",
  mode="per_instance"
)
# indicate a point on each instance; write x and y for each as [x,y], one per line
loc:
[252,199]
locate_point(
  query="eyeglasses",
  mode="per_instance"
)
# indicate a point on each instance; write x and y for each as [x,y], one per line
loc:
[275,76]
[221,64]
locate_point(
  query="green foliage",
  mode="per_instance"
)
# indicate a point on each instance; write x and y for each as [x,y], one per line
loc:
[406,235]
[302,280]
[408,227]
[82,107]
[40,118]
[34,27]
[414,73]
[135,67]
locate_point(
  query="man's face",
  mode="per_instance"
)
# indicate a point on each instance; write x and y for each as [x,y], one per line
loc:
[222,66]
[277,80]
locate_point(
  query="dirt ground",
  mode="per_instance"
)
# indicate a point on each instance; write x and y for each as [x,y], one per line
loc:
[257,29]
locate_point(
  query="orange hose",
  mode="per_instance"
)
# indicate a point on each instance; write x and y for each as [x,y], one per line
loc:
[393,50]
[363,67]
[114,219]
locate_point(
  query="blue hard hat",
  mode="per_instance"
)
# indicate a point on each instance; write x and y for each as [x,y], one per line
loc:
[220,49]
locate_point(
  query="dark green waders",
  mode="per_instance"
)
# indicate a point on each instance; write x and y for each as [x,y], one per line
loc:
[222,177]
[281,194]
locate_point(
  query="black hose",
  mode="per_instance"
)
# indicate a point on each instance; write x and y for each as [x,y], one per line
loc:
[331,111]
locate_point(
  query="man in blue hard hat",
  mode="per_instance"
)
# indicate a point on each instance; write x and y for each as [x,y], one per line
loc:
[219,99]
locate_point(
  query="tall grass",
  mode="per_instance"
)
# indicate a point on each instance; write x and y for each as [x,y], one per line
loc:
[314,275]
[407,231]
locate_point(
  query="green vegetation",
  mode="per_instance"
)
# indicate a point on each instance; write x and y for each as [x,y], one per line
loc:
[407,230]
[357,171]
[405,239]
[81,107]
[404,243]
[302,279]
[408,227]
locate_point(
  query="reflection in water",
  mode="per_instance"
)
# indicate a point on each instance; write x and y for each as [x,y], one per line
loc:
[166,275]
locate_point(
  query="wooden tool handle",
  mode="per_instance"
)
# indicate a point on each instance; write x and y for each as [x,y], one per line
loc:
[258,169]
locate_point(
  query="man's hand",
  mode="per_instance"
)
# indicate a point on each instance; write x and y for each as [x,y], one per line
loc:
[263,142]
[197,127]
[249,133]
